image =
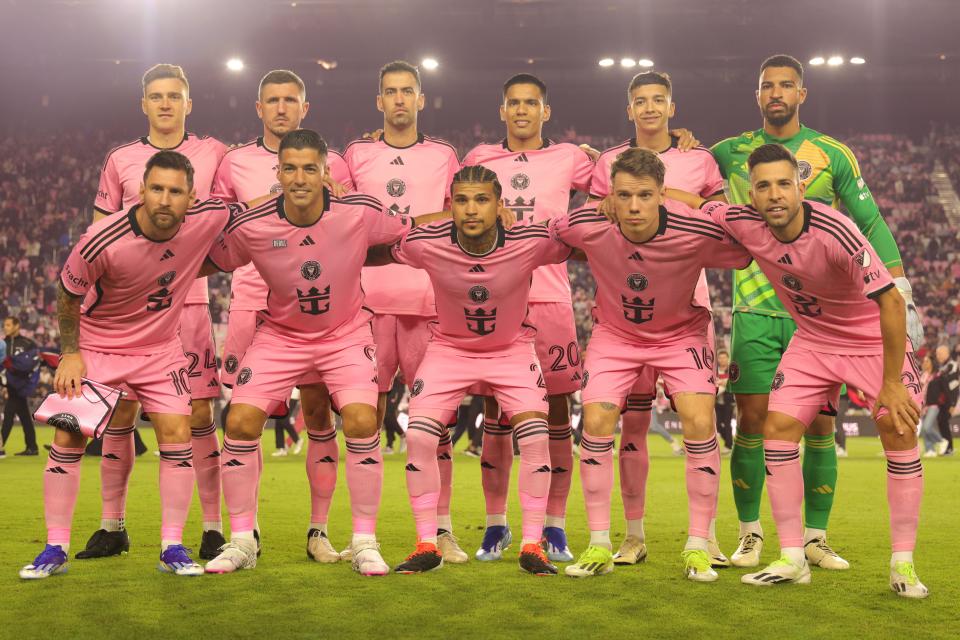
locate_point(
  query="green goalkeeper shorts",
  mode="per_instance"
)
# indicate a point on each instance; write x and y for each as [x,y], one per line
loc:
[757,343]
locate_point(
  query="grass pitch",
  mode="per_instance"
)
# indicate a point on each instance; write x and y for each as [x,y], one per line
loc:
[288,595]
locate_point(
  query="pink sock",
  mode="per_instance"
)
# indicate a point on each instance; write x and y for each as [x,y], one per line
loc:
[323,455]
[496,459]
[596,475]
[176,488]
[61,483]
[365,481]
[634,459]
[785,487]
[116,463]
[561,465]
[206,468]
[703,484]
[423,473]
[445,460]
[240,463]
[533,438]
[904,493]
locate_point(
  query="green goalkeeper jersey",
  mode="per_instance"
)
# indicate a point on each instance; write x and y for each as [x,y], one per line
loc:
[832,176]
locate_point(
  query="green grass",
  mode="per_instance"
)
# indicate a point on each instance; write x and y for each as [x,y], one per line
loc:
[289,596]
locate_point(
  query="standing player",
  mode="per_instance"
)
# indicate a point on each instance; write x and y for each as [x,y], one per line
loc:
[647,268]
[407,171]
[538,176]
[137,267]
[762,327]
[850,329]
[247,172]
[650,106]
[166,103]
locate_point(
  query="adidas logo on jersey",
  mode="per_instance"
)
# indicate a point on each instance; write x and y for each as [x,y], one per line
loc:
[477,269]
[397,161]
[166,255]
[785,259]
[306,242]
[521,158]
[636,256]
[213,383]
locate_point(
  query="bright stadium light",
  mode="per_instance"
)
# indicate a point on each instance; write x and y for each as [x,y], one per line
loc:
[835,61]
[235,64]
[645,62]
[430,64]
[606,62]
[817,61]
[857,60]
[628,63]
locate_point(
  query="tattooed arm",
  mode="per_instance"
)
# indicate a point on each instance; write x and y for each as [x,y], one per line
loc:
[71,368]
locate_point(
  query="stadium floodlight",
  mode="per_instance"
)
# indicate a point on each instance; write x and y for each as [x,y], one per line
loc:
[817,61]
[857,60]
[327,65]
[645,62]
[606,62]
[430,64]
[835,61]
[235,64]
[628,63]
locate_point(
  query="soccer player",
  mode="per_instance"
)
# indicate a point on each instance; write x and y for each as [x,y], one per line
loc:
[247,172]
[480,275]
[851,329]
[650,106]
[407,171]
[166,103]
[647,267]
[762,326]
[537,176]
[309,248]
[136,268]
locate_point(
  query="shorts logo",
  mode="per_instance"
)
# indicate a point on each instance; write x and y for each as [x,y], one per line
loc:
[790,282]
[371,352]
[166,278]
[395,210]
[416,388]
[244,376]
[637,281]
[275,188]
[231,364]
[734,371]
[805,169]
[520,181]
[777,381]
[479,294]
[310,270]
[65,422]
[396,188]
[586,378]
[862,259]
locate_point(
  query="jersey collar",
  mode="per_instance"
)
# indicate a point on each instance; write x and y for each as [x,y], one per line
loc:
[419,141]
[546,143]
[146,140]
[807,212]
[501,238]
[262,145]
[661,228]
[138,230]
[673,144]
[769,138]
[283,215]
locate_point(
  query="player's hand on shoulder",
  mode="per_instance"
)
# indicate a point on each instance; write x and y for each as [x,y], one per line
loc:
[897,400]
[685,139]
[373,135]
[506,216]
[336,189]
[66,381]
[592,153]
[606,208]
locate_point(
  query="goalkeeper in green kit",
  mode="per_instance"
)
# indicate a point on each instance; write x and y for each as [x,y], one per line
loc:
[762,328]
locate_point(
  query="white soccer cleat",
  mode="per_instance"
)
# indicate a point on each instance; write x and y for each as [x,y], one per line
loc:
[782,571]
[176,559]
[235,555]
[319,547]
[942,447]
[904,581]
[450,549]
[696,566]
[367,560]
[632,551]
[748,551]
[297,447]
[930,453]
[717,559]
[280,453]
[819,554]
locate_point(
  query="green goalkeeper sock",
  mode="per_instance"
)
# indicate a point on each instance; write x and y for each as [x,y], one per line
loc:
[747,472]
[819,479]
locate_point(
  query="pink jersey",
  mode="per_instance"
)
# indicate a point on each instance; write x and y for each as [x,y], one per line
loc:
[122,175]
[645,290]
[481,300]
[536,185]
[825,278]
[414,179]
[313,272]
[138,286]
[248,172]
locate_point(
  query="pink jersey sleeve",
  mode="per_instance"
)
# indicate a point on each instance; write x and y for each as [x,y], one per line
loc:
[78,275]
[223,182]
[552,250]
[110,190]
[453,166]
[382,224]
[864,268]
[582,172]
[717,211]
[405,252]
[339,171]
[600,178]
[712,180]
[470,159]
[570,229]
[229,252]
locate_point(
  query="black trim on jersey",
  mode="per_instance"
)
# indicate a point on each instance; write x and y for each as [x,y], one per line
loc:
[847,240]
[210,204]
[879,292]
[661,229]
[99,290]
[700,227]
[501,239]
[138,231]
[267,208]
[419,140]
[186,136]
[822,218]
[103,211]
[263,145]
[445,143]
[360,199]
[221,269]
[104,238]
[546,143]
[68,292]
[807,211]
[283,214]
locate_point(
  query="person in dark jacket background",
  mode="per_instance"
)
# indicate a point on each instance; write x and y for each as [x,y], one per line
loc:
[948,377]
[22,373]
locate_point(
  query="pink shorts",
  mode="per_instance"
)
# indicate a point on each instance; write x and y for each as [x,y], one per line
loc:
[614,365]
[274,364]
[401,342]
[557,346]
[512,374]
[241,325]
[646,384]
[196,335]
[806,381]
[159,381]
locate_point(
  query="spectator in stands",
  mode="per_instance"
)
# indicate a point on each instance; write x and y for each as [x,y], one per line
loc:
[948,377]
[22,369]
[933,442]
[725,403]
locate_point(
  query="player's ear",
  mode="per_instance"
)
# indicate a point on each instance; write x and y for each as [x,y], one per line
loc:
[193,195]
[802,94]
[143,105]
[629,112]
[758,98]
[421,100]
[189,107]
[379,103]
[672,110]
[259,106]
[546,112]
[503,114]
[143,191]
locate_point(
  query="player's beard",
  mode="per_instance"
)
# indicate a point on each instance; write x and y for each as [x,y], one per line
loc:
[782,118]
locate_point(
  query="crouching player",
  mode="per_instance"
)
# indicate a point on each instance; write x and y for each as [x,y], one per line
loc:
[138,266]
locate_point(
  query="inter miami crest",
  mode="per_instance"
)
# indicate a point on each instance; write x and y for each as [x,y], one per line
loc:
[637,281]
[166,279]
[790,282]
[479,294]
[244,376]
[396,188]
[520,181]
[231,364]
[65,422]
[310,270]
[416,388]
[777,381]
[734,371]
[805,169]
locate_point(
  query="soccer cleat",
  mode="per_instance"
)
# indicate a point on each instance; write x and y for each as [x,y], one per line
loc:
[176,559]
[820,554]
[297,447]
[3,454]
[555,544]
[347,554]
[425,558]
[942,447]
[28,452]
[841,452]
[103,544]
[696,566]
[930,453]
[51,561]
[717,559]
[210,544]
[748,551]
[903,580]
[632,551]
[534,560]
[279,453]
[367,560]
[450,548]
[496,539]
[236,554]
[594,561]
[388,451]
[782,571]
[319,547]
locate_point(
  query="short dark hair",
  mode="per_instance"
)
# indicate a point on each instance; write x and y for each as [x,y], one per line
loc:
[14,319]
[282,76]
[783,60]
[477,173]
[771,153]
[167,159]
[526,78]
[162,71]
[650,77]
[303,139]
[398,66]
[639,163]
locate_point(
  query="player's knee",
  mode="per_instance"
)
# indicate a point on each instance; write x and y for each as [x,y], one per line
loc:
[201,413]
[244,422]
[698,426]
[68,440]
[171,428]
[823,425]
[751,417]
[600,419]
[359,420]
